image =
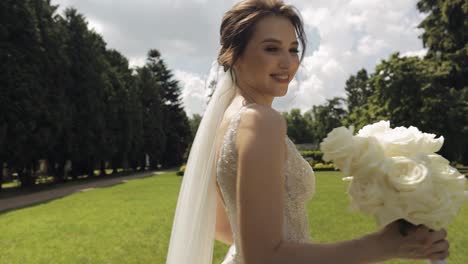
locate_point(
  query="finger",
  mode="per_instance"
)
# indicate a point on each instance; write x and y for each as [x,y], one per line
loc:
[422,237]
[437,236]
[442,245]
[439,255]
[419,230]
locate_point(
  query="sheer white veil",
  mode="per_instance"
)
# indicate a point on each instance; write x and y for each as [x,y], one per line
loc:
[193,229]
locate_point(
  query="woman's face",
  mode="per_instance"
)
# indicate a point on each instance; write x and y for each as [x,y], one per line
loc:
[270,59]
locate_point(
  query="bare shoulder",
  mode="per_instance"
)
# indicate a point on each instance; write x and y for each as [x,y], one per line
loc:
[260,119]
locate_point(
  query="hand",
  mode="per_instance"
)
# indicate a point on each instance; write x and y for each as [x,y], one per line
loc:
[420,243]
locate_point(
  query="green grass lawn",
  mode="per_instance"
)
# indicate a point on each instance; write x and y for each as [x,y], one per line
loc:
[131,223]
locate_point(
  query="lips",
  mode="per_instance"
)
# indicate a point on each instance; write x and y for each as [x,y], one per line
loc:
[280,77]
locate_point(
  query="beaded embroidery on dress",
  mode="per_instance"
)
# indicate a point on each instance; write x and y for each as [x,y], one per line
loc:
[299,187]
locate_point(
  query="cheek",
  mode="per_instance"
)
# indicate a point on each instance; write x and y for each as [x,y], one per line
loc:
[262,62]
[260,67]
[295,65]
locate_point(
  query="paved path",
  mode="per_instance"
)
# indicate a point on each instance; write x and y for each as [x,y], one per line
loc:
[20,201]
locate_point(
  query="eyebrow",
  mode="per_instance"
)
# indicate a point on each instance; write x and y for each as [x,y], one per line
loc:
[277,41]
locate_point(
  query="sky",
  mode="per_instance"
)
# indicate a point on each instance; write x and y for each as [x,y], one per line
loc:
[344,36]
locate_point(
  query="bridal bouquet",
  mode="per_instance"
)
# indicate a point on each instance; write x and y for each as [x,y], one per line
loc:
[395,174]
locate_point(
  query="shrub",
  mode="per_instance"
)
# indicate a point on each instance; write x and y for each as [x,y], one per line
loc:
[312,162]
[181,170]
[312,154]
[323,167]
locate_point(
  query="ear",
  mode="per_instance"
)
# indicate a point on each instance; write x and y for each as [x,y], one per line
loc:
[236,64]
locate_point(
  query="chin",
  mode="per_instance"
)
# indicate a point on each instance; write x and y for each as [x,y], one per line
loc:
[281,92]
[285,91]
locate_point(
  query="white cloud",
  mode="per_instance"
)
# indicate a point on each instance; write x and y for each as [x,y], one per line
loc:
[418,53]
[136,61]
[194,92]
[354,34]
[94,24]
[344,36]
[177,47]
[369,45]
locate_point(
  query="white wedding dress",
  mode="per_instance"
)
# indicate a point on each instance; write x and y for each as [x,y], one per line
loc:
[299,187]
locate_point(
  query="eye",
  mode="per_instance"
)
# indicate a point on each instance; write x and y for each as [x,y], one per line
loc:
[271,49]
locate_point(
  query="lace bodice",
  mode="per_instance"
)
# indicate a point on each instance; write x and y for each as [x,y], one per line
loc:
[299,187]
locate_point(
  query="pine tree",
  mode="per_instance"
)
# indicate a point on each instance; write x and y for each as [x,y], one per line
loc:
[86,93]
[175,121]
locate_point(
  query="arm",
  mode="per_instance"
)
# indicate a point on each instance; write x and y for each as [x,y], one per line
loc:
[365,249]
[261,149]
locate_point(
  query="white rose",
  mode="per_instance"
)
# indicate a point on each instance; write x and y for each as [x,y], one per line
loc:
[422,189]
[402,141]
[338,146]
[368,157]
[429,144]
[401,204]
[390,212]
[437,160]
[366,195]
[374,129]
[449,179]
[406,173]
[434,208]
[441,168]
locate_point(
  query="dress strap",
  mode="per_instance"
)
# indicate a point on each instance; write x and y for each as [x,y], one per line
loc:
[234,121]
[237,115]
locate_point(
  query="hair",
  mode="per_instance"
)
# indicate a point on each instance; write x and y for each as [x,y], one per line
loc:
[238,24]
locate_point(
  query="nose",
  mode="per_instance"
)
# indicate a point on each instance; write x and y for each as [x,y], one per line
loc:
[285,61]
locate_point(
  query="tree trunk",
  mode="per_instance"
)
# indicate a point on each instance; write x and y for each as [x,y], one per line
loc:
[125,163]
[1,175]
[59,171]
[134,165]
[25,177]
[90,167]
[103,168]
[114,166]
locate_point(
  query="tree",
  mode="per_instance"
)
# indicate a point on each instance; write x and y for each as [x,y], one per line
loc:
[20,72]
[429,93]
[54,76]
[398,84]
[66,97]
[445,37]
[299,130]
[407,92]
[120,133]
[328,116]
[86,94]
[175,121]
[357,90]
[194,124]
[154,139]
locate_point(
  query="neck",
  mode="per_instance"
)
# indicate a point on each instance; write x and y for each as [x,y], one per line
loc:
[252,96]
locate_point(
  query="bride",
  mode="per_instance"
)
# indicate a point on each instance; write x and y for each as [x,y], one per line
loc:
[245,183]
